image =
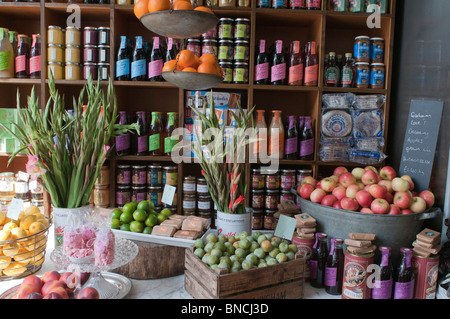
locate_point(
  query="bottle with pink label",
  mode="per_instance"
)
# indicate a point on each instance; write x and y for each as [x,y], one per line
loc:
[156,62]
[311,65]
[35,57]
[295,65]
[382,285]
[307,141]
[404,283]
[262,65]
[334,269]
[278,67]
[22,66]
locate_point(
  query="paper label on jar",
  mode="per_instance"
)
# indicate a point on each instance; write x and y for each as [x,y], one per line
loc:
[122,67]
[262,71]
[296,73]
[239,75]
[155,68]
[21,63]
[311,73]
[188,187]
[278,72]
[240,52]
[225,52]
[206,205]
[203,189]
[188,204]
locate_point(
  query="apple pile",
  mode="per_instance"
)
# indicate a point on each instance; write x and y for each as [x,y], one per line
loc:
[367,190]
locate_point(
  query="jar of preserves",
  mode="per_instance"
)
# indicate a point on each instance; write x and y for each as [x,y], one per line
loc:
[225,30]
[103,71]
[21,190]
[72,54]
[240,73]
[269,219]
[362,75]
[204,204]
[362,49]
[209,46]
[377,50]
[227,68]
[90,54]
[36,189]
[139,175]
[55,53]
[57,69]
[138,193]
[103,53]
[258,179]
[189,212]
[39,204]
[202,186]
[123,177]
[242,29]
[189,186]
[104,35]
[272,179]
[123,195]
[377,75]
[287,180]
[154,175]
[244,3]
[226,51]
[241,51]
[90,68]
[154,194]
[101,195]
[90,36]
[272,199]
[189,203]
[287,195]
[103,177]
[55,35]
[195,46]
[258,198]
[227,3]
[72,71]
[257,219]
[170,175]
[7,185]
[73,36]
[301,173]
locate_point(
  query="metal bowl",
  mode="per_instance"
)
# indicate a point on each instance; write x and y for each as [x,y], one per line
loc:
[179,24]
[192,81]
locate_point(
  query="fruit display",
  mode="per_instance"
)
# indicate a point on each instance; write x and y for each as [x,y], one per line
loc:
[187,61]
[243,251]
[54,285]
[142,7]
[22,242]
[367,190]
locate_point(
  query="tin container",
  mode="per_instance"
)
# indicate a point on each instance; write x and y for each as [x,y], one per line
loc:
[73,36]
[426,276]
[72,54]
[55,53]
[90,36]
[355,276]
[57,69]
[90,68]
[103,36]
[103,54]
[103,71]
[90,54]
[72,71]
[305,248]
[55,35]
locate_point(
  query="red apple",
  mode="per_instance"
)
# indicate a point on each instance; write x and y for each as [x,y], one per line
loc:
[306,190]
[366,188]
[389,198]
[364,198]
[338,171]
[410,181]
[317,195]
[402,200]
[418,205]
[377,191]
[394,210]
[388,173]
[369,177]
[328,200]
[318,185]
[371,168]
[349,204]
[309,180]
[339,192]
[335,178]
[358,172]
[429,198]
[387,184]
[366,210]
[407,211]
[328,184]
[400,184]
[347,179]
[380,206]
[337,205]
[352,190]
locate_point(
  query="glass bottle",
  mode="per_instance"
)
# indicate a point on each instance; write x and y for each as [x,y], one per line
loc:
[260,146]
[35,57]
[156,62]
[339,61]
[278,66]
[172,124]
[334,269]
[6,55]
[123,61]
[141,139]
[14,41]
[313,4]
[171,53]
[318,261]
[22,61]
[348,72]
[297,4]
[291,149]
[123,142]
[295,65]
[404,281]
[262,65]
[276,136]
[332,72]
[155,141]
[307,141]
[382,288]
[311,65]
[139,61]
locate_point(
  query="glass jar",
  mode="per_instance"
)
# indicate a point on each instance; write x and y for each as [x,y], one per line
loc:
[55,35]
[189,186]
[211,34]
[241,51]
[258,179]
[170,175]
[209,46]
[272,179]
[242,29]
[287,180]
[139,175]
[227,3]
[204,204]
[103,54]
[301,173]
[123,177]
[7,185]
[189,202]
[72,71]
[103,71]
[39,204]
[377,50]
[240,73]
[225,30]
[362,49]
[103,177]
[272,199]
[226,51]
[362,75]
[90,54]
[101,195]
[154,194]
[36,189]
[104,35]
[257,198]
[90,36]
[269,219]
[287,195]
[123,195]
[195,46]
[90,68]
[55,53]
[138,194]
[227,68]
[57,69]
[377,75]
[189,212]
[21,190]
[244,3]
[257,219]
[202,186]
[154,175]
[73,36]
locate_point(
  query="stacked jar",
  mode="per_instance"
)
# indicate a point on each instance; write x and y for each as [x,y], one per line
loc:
[101,188]
[73,63]
[96,56]
[301,174]
[196,197]
[123,184]
[55,52]
[369,62]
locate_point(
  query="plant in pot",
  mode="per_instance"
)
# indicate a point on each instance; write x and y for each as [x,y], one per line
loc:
[221,152]
[66,149]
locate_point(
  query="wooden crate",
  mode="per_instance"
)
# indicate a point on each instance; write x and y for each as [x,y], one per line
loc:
[281,281]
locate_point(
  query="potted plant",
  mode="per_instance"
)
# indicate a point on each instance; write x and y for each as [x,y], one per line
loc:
[221,153]
[66,149]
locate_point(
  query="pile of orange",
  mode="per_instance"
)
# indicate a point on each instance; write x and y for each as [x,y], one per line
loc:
[187,61]
[146,6]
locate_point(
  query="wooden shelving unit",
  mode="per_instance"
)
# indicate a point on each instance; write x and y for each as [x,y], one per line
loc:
[333,31]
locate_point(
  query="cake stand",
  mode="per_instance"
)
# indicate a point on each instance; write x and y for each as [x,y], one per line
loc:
[109,285]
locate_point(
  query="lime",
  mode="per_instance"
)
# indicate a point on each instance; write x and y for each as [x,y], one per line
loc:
[129,208]
[151,220]
[151,205]
[126,217]
[147,230]
[134,203]
[161,218]
[136,227]
[166,212]
[144,205]
[115,214]
[199,243]
[125,227]
[115,223]
[140,215]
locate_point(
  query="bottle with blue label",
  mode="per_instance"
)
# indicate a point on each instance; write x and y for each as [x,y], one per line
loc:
[139,64]
[123,61]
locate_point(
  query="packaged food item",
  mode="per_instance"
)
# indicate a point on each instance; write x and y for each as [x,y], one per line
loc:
[339,101]
[368,102]
[366,157]
[305,219]
[368,123]
[336,123]
[192,225]
[167,231]
[186,234]
[358,243]
[362,236]
[104,247]
[173,222]
[361,250]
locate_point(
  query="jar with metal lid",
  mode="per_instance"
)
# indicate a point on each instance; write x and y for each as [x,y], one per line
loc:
[189,212]
[90,36]
[90,54]
[189,185]
[55,35]
[103,177]
[377,50]
[269,219]
[205,214]
[170,175]
[209,46]
[258,179]
[257,219]
[225,30]
[204,204]
[154,175]
[72,54]
[301,173]
[101,195]
[57,69]
[138,193]
[123,176]
[272,179]
[189,202]
[362,49]
[104,35]
[21,190]
[226,51]
[55,53]
[195,46]
[240,72]
[72,71]
[202,186]
[154,194]
[241,51]
[103,71]
[227,68]
[272,199]
[244,3]
[227,3]
[90,68]
[103,53]
[7,180]
[258,198]
[139,175]
[123,195]
[377,75]
[73,36]
[362,75]
[242,29]
[288,179]
[287,195]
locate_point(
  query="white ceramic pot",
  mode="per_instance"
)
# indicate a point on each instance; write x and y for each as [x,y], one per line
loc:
[232,224]
[60,220]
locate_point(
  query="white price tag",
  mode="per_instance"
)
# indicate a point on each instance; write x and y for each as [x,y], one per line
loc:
[14,208]
[24,176]
[168,194]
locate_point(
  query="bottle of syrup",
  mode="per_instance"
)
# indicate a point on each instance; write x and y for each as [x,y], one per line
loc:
[291,145]
[318,261]
[278,66]
[155,141]
[35,57]
[334,269]
[262,65]
[404,281]
[307,141]
[382,288]
[295,65]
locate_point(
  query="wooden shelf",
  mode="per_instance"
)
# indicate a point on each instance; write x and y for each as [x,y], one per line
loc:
[147,158]
[20,81]
[353,90]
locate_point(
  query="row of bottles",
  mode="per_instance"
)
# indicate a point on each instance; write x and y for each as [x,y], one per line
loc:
[154,136]
[291,141]
[291,4]
[143,61]
[339,72]
[299,66]
[19,57]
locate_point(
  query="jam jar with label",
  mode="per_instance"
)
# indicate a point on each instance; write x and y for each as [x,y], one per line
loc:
[227,68]
[72,71]
[90,36]
[101,195]
[202,186]
[301,173]
[226,51]
[257,219]
[103,36]
[362,75]
[272,179]
[103,71]
[204,204]
[154,175]
[225,30]
[123,176]
[272,199]
[242,29]
[362,49]
[170,175]
[123,195]
[240,73]
[139,175]
[189,185]
[241,51]
[287,179]
[73,36]
[269,219]
[377,50]
[189,202]
[154,194]
[258,179]
[195,46]
[258,198]
[209,46]
[377,75]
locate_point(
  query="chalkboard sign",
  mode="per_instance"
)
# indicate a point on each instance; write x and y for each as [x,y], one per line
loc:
[419,146]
